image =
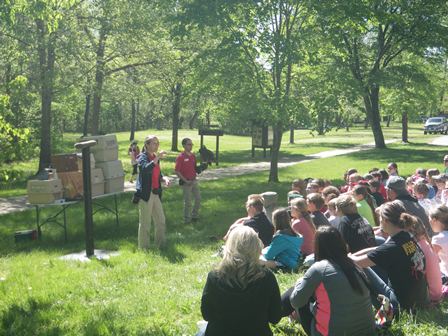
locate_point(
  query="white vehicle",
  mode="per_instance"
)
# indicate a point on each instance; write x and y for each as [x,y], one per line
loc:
[436,125]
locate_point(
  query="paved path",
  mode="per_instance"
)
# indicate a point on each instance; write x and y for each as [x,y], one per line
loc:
[440,141]
[13,204]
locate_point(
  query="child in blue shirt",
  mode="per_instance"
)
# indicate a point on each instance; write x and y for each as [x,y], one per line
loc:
[284,250]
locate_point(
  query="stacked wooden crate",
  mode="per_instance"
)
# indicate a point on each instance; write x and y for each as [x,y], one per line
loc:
[106,158]
[69,169]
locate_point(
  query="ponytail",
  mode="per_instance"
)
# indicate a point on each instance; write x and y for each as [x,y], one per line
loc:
[406,221]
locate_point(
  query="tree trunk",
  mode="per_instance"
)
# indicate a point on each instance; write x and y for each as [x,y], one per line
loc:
[99,79]
[133,113]
[371,99]
[273,171]
[137,112]
[86,116]
[389,117]
[46,68]
[404,127]
[193,119]
[291,135]
[177,93]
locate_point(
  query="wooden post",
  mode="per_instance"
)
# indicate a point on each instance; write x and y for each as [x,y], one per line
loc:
[88,211]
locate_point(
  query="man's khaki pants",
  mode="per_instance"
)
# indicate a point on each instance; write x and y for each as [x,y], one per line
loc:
[191,191]
[147,211]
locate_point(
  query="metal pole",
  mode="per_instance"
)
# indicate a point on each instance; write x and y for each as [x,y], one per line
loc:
[88,212]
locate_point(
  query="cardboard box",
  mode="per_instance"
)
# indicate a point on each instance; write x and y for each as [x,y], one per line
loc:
[65,162]
[111,169]
[106,148]
[44,191]
[92,161]
[44,198]
[74,187]
[72,184]
[114,185]
[44,186]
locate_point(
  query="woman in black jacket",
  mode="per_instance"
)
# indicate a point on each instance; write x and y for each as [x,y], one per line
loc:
[241,296]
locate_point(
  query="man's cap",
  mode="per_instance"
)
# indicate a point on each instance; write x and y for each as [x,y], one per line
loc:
[445,158]
[397,184]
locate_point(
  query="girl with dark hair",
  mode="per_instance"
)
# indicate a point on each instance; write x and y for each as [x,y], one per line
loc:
[332,298]
[284,250]
[401,258]
[365,205]
[392,169]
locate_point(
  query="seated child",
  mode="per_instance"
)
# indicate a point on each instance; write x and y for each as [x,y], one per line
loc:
[421,191]
[430,173]
[284,250]
[432,268]
[334,219]
[439,224]
[299,186]
[240,221]
[315,202]
[303,225]
[374,186]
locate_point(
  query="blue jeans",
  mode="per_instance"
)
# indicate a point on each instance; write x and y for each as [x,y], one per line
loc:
[378,286]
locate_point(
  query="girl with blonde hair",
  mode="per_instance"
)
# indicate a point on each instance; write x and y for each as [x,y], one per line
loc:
[241,297]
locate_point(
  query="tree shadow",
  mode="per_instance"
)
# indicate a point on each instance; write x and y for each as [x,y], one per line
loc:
[28,319]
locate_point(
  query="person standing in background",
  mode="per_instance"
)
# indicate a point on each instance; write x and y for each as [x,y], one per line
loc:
[133,153]
[186,170]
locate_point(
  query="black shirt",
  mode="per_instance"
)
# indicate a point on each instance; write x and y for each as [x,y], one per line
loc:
[319,219]
[357,233]
[404,262]
[261,224]
[232,311]
[379,199]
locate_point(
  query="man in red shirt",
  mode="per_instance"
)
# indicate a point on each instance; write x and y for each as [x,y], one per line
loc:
[186,171]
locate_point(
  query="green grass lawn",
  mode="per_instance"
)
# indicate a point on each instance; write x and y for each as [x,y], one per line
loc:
[233,149]
[158,292]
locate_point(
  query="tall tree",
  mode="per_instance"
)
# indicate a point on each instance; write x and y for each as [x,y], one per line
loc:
[267,35]
[370,35]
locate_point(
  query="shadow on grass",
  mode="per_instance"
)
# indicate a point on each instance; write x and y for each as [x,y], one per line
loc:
[223,202]
[31,319]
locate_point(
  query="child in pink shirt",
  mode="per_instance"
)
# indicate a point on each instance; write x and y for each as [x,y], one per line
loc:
[433,274]
[303,224]
[439,224]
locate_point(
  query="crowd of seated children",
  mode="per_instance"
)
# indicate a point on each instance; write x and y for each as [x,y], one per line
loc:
[411,265]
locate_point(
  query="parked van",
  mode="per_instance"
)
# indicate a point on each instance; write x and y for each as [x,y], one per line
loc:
[436,125]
